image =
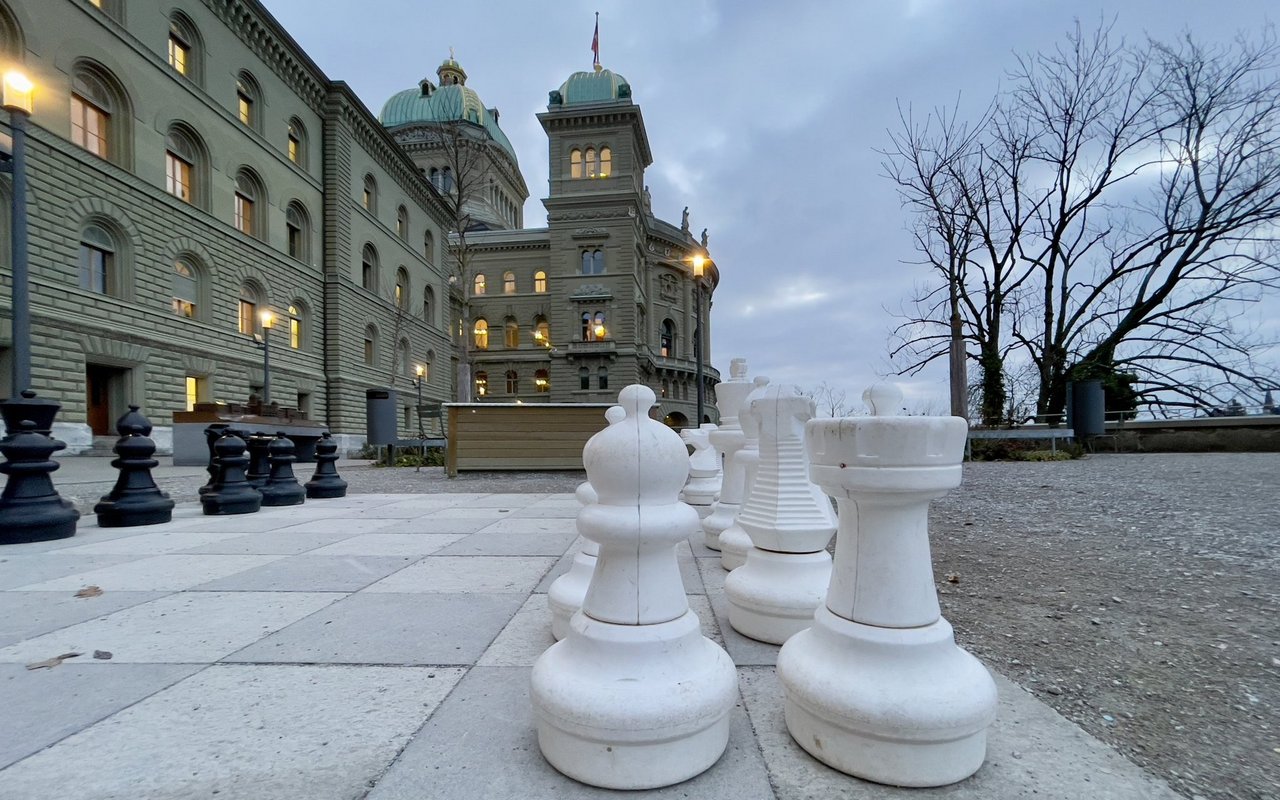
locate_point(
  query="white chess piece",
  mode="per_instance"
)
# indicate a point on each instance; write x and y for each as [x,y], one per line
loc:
[734,541]
[877,687]
[566,592]
[728,440]
[634,697]
[703,486]
[789,521]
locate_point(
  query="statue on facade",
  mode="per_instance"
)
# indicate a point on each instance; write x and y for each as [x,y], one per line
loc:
[648,202]
[684,221]
[704,237]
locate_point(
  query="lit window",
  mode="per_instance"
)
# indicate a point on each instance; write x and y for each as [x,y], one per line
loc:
[541,381]
[296,144]
[89,125]
[481,334]
[508,283]
[591,162]
[247,97]
[295,328]
[193,392]
[246,197]
[248,312]
[606,162]
[402,288]
[598,330]
[668,339]
[293,147]
[179,50]
[575,163]
[185,289]
[513,382]
[511,333]
[542,331]
[180,160]
[97,260]
[369,196]
[479,283]
[540,282]
[482,384]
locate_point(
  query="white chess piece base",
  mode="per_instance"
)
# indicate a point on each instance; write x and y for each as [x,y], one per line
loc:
[773,596]
[720,518]
[899,706]
[567,592]
[633,707]
[734,546]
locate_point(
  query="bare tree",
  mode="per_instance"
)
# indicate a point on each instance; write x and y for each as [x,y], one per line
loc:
[831,401]
[1104,219]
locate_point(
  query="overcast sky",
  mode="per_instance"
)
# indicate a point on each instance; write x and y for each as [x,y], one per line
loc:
[764,119]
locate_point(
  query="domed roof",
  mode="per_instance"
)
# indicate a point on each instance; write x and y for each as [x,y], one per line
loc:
[594,87]
[452,100]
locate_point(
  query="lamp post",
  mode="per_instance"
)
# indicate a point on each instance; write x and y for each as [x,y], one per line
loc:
[268,319]
[18,92]
[699,262]
[420,373]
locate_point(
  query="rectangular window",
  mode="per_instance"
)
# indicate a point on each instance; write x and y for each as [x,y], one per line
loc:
[248,317]
[244,214]
[177,177]
[88,126]
[244,105]
[94,264]
[294,151]
[295,241]
[366,199]
[179,53]
[295,333]
[184,308]
[368,352]
[194,392]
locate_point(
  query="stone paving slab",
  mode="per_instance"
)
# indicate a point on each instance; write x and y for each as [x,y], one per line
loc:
[380,646]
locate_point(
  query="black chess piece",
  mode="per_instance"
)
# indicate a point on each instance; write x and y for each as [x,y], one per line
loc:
[30,507]
[211,435]
[259,458]
[135,500]
[282,488]
[326,483]
[231,492]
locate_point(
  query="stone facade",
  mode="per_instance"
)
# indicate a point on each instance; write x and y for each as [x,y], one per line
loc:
[327,186]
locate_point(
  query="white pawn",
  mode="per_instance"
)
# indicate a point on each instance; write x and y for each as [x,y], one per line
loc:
[728,440]
[704,470]
[634,697]
[566,592]
[734,541]
[790,521]
[877,688]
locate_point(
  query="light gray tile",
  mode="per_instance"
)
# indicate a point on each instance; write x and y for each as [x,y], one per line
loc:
[745,651]
[433,525]
[311,573]
[512,544]
[179,628]
[472,512]
[267,733]
[712,574]
[351,527]
[466,574]
[287,541]
[152,543]
[538,525]
[509,501]
[369,628]
[85,534]
[156,574]
[45,705]
[27,614]
[24,570]
[446,758]
[390,544]
[524,638]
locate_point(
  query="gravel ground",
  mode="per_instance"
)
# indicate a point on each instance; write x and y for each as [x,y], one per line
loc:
[1136,594]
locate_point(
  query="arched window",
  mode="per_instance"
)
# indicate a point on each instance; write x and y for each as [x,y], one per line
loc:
[591,162]
[186,166]
[541,331]
[479,283]
[668,345]
[186,288]
[446,180]
[251,300]
[370,345]
[297,318]
[606,162]
[100,113]
[429,246]
[402,223]
[98,260]
[602,378]
[586,326]
[186,50]
[541,381]
[575,163]
[482,384]
[298,231]
[250,204]
[249,101]
[592,262]
[429,305]
[402,288]
[584,378]
[369,195]
[513,382]
[598,330]
[540,282]
[296,145]
[511,332]
[508,282]
[481,334]
[369,268]
[402,357]
[435,177]
[666,387]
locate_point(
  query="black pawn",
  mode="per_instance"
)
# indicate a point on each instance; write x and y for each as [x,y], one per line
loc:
[282,488]
[211,435]
[259,459]
[31,508]
[231,493]
[135,500]
[326,483]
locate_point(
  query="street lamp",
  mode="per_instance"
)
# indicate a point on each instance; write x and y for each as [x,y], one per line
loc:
[420,374]
[268,319]
[18,91]
[699,261]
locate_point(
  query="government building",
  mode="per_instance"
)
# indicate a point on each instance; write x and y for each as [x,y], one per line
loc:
[196,184]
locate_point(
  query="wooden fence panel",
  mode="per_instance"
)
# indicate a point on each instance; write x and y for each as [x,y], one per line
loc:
[493,436]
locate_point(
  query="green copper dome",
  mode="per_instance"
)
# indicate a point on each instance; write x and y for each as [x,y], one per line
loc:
[452,100]
[594,87]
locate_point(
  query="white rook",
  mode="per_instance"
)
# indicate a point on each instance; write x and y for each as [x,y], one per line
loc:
[634,697]
[728,440]
[877,688]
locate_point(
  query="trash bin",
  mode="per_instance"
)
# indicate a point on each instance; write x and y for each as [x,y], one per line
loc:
[380,416]
[1087,408]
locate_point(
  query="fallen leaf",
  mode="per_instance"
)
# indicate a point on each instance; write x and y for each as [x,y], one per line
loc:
[50,663]
[89,591]
[102,655]
[953,578]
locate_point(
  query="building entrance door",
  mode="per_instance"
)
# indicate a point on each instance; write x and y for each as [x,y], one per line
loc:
[104,387]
